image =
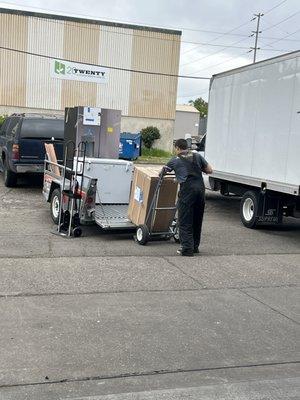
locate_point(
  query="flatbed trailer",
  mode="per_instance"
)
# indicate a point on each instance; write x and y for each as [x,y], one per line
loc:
[106,216]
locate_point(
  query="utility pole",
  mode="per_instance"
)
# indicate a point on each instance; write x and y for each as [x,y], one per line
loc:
[256,33]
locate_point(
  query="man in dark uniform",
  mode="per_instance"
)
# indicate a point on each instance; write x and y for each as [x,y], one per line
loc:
[188,167]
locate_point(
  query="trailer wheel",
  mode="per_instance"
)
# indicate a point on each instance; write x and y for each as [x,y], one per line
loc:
[142,234]
[249,209]
[55,205]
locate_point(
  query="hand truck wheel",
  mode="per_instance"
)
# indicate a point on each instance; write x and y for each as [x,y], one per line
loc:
[66,220]
[76,220]
[175,231]
[77,232]
[142,234]
[176,237]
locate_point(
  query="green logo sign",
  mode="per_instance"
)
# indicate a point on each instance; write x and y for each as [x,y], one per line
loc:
[60,68]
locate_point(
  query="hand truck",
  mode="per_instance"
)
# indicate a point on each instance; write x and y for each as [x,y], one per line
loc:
[145,232]
[69,216]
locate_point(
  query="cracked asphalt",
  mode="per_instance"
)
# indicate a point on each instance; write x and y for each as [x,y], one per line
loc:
[100,317]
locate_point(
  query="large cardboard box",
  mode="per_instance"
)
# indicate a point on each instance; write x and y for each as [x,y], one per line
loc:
[144,184]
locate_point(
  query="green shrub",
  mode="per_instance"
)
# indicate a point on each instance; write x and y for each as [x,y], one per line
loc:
[149,135]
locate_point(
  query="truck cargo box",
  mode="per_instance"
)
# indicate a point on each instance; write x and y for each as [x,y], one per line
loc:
[253,132]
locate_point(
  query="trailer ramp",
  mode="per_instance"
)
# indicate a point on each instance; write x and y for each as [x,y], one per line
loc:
[113,216]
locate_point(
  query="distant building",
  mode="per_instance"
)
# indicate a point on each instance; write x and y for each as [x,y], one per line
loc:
[186,121]
[40,68]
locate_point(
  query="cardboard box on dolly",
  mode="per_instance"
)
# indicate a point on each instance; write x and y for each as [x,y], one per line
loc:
[144,185]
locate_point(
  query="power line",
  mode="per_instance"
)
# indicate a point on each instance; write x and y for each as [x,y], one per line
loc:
[101,29]
[241,25]
[126,34]
[273,8]
[280,22]
[104,66]
[136,22]
[137,35]
[211,54]
[193,95]
[221,35]
[221,63]
[290,34]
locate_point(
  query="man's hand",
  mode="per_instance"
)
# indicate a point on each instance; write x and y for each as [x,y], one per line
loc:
[164,171]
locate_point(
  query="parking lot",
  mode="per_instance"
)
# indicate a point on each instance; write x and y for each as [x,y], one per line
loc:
[101,315]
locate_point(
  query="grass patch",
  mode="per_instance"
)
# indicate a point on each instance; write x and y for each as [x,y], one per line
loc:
[155,153]
[154,156]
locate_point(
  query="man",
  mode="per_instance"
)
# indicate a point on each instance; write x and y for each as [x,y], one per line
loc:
[188,167]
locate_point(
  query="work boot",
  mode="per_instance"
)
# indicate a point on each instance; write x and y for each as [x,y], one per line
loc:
[196,250]
[184,253]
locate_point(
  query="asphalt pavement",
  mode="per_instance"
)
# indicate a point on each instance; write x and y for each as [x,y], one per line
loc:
[100,317]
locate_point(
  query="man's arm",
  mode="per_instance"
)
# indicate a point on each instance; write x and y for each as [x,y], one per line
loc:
[208,169]
[205,166]
[167,168]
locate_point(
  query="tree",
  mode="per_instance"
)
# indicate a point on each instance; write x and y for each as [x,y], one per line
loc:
[149,135]
[201,105]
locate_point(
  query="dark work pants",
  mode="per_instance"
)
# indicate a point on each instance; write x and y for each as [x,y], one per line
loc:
[191,205]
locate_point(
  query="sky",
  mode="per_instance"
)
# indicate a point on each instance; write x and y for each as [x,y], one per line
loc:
[221,29]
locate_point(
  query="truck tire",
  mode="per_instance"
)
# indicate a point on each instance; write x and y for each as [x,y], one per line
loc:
[55,205]
[249,209]
[10,177]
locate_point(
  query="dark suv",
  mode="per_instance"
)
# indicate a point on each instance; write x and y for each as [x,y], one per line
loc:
[22,138]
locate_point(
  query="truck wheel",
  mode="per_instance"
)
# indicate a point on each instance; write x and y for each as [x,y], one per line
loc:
[142,234]
[10,177]
[55,205]
[249,209]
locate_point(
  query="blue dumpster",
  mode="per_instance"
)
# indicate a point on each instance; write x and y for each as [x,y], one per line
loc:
[130,146]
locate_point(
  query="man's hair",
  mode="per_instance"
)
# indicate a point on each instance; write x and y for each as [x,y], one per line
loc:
[181,144]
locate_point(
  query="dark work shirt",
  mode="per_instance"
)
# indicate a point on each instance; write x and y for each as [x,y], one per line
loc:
[180,168]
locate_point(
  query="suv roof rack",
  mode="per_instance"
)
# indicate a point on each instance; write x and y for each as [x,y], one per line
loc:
[37,115]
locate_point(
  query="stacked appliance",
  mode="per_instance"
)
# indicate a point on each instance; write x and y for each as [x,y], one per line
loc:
[99,128]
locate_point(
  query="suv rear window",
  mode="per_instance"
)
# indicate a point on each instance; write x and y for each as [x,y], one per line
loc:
[42,128]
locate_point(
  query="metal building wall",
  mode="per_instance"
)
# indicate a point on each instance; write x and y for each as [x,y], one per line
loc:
[44,37]
[25,79]
[152,95]
[13,66]
[115,48]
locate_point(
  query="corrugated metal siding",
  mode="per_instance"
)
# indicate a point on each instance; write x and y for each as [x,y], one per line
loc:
[13,34]
[115,50]
[26,81]
[81,43]
[154,95]
[44,37]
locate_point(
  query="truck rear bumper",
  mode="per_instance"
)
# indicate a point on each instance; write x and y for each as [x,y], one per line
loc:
[29,168]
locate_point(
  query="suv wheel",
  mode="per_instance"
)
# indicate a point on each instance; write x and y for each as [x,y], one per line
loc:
[10,177]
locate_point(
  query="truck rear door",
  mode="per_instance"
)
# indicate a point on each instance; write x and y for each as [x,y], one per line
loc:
[33,136]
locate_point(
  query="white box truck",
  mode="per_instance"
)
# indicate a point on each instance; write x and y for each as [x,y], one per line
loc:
[253,138]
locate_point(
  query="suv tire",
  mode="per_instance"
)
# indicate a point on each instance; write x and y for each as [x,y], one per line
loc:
[10,177]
